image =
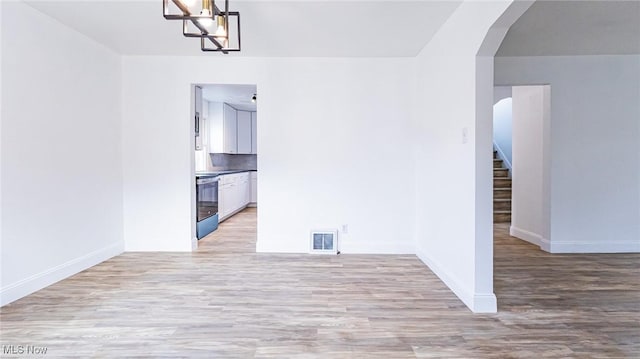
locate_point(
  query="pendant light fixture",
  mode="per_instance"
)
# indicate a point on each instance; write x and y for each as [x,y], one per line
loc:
[218,30]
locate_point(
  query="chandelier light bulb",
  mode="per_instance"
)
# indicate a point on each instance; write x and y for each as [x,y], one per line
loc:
[221,30]
[206,11]
[207,21]
[188,3]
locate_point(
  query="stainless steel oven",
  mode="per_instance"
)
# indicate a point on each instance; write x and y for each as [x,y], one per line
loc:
[207,205]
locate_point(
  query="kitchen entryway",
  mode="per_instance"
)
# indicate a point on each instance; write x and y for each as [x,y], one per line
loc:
[225,162]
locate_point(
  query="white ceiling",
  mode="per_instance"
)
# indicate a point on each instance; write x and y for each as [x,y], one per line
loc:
[299,28]
[238,96]
[575,28]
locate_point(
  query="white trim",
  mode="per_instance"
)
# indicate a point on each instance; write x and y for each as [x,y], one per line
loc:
[476,302]
[525,235]
[595,246]
[502,157]
[24,287]
[545,245]
[350,245]
[485,303]
[575,246]
[530,237]
[346,245]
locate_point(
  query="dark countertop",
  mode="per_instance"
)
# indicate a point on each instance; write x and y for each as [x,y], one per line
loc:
[219,173]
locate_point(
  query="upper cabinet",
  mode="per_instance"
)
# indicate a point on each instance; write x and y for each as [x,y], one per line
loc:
[198,116]
[231,131]
[244,132]
[223,128]
[254,133]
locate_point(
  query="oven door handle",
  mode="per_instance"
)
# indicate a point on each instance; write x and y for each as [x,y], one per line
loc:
[207,180]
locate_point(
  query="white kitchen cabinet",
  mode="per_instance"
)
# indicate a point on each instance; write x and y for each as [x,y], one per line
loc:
[244,132]
[244,189]
[197,117]
[234,194]
[230,144]
[221,201]
[223,128]
[230,131]
[254,187]
[254,133]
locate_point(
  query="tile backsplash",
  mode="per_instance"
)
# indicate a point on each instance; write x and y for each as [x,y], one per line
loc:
[221,161]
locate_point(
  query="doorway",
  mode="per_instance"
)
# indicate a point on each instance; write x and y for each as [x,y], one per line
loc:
[226,153]
[521,126]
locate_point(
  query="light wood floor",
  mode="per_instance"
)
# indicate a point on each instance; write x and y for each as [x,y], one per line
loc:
[225,301]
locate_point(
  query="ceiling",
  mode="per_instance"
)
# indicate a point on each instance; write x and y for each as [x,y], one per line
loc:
[299,28]
[558,28]
[238,96]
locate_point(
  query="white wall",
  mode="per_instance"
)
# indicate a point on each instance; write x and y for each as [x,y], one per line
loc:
[595,147]
[530,118]
[453,137]
[502,130]
[1,125]
[333,150]
[61,159]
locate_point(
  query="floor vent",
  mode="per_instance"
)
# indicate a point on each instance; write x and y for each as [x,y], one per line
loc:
[324,242]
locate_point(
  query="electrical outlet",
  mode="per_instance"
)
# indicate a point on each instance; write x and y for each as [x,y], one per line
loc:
[345,228]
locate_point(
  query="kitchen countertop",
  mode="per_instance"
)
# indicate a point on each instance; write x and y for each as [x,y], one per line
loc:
[219,173]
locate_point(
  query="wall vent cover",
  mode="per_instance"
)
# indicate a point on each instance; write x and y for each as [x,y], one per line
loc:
[324,241]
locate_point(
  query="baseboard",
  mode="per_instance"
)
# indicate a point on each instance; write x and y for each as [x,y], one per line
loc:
[545,245]
[351,246]
[594,247]
[34,283]
[476,302]
[485,303]
[575,246]
[525,235]
[345,246]
[252,205]
[504,159]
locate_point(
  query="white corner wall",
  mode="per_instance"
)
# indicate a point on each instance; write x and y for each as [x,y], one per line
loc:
[530,180]
[594,149]
[333,150]
[453,136]
[61,162]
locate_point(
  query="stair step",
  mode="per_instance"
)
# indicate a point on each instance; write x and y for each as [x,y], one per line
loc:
[501,204]
[501,193]
[495,154]
[502,182]
[501,216]
[500,172]
[497,163]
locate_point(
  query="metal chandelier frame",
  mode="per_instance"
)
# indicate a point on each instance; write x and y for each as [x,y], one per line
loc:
[206,38]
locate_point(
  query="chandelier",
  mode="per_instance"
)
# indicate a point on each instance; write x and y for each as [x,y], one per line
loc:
[218,30]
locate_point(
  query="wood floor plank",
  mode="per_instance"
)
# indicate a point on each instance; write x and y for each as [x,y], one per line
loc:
[227,301]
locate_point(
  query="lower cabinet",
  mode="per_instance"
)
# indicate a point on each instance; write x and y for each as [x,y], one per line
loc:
[234,193]
[254,187]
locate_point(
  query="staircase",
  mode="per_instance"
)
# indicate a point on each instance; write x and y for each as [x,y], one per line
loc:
[501,191]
